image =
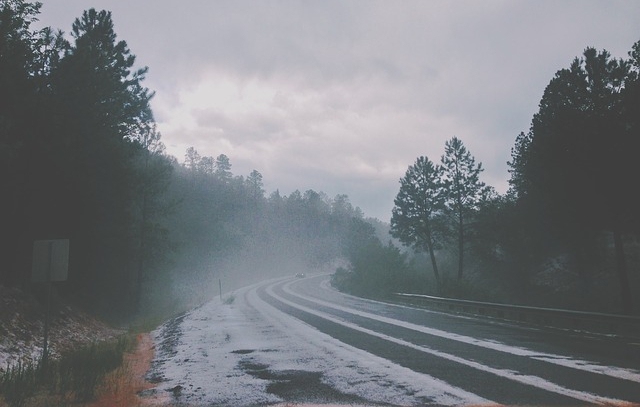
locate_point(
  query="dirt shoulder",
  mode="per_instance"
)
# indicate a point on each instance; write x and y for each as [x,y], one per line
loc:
[124,386]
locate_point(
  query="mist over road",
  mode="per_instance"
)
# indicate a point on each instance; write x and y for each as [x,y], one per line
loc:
[299,340]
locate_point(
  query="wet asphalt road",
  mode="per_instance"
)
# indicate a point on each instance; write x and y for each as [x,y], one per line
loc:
[503,362]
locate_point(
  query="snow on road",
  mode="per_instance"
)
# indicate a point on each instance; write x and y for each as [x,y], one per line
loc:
[248,353]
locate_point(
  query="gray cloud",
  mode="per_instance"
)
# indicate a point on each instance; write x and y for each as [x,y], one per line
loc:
[342,96]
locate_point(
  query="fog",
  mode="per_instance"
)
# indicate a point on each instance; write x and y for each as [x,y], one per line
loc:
[227,232]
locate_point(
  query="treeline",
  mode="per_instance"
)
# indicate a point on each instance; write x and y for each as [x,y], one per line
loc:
[566,232]
[80,156]
[82,160]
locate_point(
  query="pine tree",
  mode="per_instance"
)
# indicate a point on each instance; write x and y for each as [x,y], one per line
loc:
[463,190]
[417,205]
[574,171]
[104,118]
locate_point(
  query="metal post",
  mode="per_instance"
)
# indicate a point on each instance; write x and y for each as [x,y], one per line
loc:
[45,346]
[220,285]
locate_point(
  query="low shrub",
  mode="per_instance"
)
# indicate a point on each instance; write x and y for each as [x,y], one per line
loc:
[76,376]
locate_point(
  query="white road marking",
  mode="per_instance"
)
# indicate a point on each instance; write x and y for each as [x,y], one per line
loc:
[534,381]
[441,392]
[611,371]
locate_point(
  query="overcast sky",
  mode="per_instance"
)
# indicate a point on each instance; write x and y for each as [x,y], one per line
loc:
[342,96]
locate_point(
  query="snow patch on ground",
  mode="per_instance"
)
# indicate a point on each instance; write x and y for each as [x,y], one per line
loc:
[249,353]
[200,355]
[22,328]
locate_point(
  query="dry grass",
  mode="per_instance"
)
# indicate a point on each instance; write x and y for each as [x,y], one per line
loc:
[118,388]
[121,387]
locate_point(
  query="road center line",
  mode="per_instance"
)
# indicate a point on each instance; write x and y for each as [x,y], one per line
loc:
[534,381]
[611,371]
[446,394]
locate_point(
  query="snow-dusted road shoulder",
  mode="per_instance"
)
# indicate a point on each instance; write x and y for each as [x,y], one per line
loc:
[246,352]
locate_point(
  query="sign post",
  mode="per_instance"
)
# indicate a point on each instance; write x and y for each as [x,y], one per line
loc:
[50,263]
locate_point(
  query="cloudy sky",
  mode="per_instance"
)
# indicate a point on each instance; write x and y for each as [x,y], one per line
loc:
[342,96]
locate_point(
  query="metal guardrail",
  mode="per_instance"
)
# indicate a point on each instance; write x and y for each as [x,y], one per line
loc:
[559,318]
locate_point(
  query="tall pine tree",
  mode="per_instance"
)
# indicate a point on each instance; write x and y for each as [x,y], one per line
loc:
[575,170]
[417,205]
[463,190]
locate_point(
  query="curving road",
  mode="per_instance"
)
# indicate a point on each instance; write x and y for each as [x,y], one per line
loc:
[498,362]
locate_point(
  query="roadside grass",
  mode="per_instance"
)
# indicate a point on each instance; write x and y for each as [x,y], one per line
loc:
[122,386]
[75,378]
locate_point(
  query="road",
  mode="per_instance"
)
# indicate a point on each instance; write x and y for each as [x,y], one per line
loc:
[505,363]
[301,337]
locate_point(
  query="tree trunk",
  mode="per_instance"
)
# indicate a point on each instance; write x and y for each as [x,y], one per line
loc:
[433,261]
[621,266]
[460,245]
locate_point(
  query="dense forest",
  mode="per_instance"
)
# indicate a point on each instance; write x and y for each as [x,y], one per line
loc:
[82,160]
[150,234]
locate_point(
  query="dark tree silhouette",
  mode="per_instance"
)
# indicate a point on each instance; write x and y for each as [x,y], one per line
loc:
[255,186]
[223,168]
[575,168]
[80,156]
[463,190]
[418,202]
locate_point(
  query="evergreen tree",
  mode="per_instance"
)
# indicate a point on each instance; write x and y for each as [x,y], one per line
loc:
[207,165]
[573,172]
[192,159]
[463,190]
[104,118]
[417,205]
[255,186]
[223,168]
[17,113]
